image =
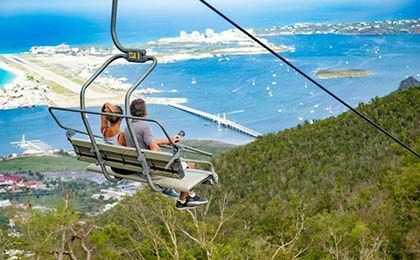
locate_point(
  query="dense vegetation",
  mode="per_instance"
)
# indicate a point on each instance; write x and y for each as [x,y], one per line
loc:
[335,189]
[42,164]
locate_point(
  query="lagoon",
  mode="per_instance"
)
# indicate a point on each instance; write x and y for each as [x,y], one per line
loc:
[5,77]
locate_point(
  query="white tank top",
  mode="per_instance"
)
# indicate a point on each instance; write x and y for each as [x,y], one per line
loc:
[113,139]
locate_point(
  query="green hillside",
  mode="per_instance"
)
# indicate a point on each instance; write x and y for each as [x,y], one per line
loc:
[352,185]
[42,164]
[335,189]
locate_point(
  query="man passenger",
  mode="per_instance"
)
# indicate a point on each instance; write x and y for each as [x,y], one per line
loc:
[110,128]
[144,136]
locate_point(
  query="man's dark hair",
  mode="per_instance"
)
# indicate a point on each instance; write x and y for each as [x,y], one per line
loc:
[138,108]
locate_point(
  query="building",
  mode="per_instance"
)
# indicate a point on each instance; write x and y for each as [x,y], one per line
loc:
[59,49]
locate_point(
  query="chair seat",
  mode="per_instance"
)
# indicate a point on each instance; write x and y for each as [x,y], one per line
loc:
[191,179]
[126,158]
[121,157]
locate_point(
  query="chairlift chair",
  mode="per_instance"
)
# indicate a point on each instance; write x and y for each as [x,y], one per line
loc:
[158,169]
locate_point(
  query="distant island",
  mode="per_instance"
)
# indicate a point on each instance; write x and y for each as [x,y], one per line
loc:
[406,26]
[342,73]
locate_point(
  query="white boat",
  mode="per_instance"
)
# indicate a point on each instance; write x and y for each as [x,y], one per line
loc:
[193,81]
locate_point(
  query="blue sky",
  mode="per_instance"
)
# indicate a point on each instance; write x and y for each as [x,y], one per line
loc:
[18,6]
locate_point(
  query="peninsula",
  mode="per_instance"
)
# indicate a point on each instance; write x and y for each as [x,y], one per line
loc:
[53,75]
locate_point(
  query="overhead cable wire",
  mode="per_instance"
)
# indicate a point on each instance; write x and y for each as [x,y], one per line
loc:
[265,46]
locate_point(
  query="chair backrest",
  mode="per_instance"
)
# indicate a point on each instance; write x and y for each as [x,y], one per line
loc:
[126,158]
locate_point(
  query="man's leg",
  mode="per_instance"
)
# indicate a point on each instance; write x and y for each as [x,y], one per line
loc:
[181,203]
[170,193]
[188,199]
[183,195]
[191,165]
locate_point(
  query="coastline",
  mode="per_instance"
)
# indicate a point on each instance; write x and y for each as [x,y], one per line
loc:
[54,75]
[384,27]
[11,69]
[290,105]
[36,85]
[17,74]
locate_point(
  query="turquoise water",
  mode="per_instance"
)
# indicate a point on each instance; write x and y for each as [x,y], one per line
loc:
[244,87]
[227,87]
[5,77]
[22,30]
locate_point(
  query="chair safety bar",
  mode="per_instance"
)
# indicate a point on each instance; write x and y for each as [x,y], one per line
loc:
[177,148]
[178,145]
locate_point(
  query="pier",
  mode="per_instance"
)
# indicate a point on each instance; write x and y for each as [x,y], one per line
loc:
[32,146]
[217,119]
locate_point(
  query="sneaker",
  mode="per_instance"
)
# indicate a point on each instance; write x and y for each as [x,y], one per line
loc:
[171,193]
[196,200]
[182,205]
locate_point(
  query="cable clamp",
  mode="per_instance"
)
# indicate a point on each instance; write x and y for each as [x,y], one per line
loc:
[137,56]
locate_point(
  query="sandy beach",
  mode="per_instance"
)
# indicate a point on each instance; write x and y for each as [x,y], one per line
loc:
[7,67]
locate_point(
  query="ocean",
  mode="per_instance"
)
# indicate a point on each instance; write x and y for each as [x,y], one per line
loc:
[22,30]
[257,91]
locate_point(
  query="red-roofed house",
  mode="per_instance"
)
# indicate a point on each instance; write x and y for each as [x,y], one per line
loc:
[31,183]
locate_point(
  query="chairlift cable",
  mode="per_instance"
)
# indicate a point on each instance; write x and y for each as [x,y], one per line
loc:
[367,119]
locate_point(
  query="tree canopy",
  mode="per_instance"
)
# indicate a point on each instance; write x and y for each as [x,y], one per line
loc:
[333,189]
